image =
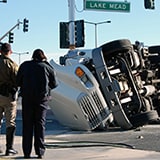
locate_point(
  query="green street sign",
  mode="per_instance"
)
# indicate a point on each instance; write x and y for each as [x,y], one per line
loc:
[106,5]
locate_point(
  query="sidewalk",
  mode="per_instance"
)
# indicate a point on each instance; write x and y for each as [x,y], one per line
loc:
[83,153]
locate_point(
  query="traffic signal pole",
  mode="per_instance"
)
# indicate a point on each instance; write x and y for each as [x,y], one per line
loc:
[17,25]
[71,6]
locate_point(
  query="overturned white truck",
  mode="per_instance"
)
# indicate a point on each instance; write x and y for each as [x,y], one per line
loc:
[103,86]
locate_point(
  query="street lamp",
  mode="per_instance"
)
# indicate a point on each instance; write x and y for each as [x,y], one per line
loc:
[20,55]
[95,24]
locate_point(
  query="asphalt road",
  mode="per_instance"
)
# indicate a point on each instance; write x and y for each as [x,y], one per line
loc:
[144,138]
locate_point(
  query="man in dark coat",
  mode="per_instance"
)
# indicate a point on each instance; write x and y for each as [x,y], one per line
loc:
[35,78]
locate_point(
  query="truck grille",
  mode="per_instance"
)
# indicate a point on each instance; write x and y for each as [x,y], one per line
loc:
[90,112]
[102,110]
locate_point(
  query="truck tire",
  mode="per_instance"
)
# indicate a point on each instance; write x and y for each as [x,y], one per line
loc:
[116,46]
[143,118]
[154,49]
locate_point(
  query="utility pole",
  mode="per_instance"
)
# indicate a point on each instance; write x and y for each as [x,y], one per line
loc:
[71,7]
[25,28]
[17,25]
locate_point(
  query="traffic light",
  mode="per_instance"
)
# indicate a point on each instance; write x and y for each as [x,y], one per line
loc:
[0,45]
[11,36]
[79,33]
[25,25]
[64,35]
[4,1]
[149,4]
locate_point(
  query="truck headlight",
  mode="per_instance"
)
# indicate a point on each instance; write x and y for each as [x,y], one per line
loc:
[79,72]
[83,76]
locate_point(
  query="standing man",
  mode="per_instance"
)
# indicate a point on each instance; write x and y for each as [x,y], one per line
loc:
[36,78]
[8,95]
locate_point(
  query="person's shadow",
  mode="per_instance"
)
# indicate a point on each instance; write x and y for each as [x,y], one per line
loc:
[3,156]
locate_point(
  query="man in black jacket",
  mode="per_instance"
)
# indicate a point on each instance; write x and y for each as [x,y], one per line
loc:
[36,78]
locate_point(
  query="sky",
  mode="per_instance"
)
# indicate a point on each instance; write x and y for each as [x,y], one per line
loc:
[45,15]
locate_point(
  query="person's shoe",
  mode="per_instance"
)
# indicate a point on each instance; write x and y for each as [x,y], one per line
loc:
[11,152]
[1,150]
[40,157]
[27,156]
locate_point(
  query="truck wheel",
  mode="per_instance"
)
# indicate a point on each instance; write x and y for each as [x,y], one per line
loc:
[143,118]
[116,46]
[154,49]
